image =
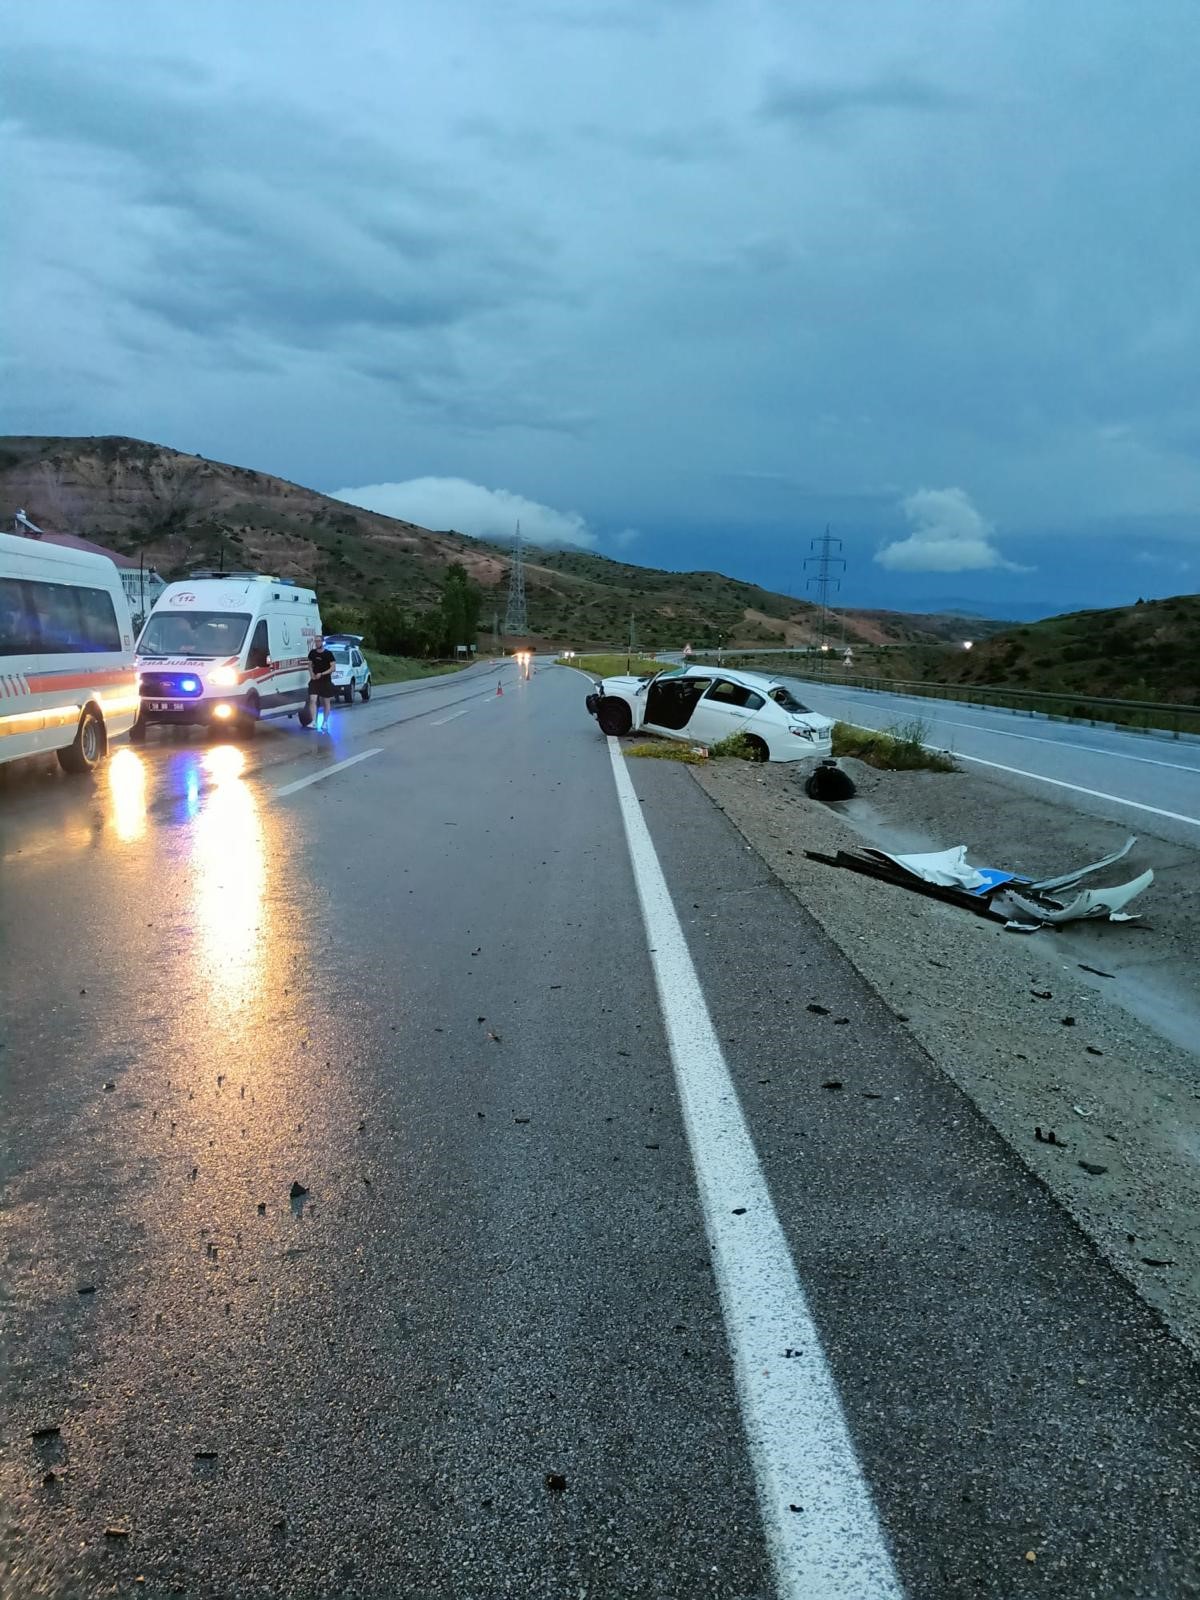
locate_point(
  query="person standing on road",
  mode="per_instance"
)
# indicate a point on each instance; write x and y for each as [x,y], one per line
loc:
[320,680]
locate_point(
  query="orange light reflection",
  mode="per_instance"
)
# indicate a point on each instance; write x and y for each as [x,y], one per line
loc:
[127,792]
[229,875]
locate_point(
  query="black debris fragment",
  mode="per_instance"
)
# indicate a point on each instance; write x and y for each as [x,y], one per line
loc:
[1093,1167]
[51,1432]
[739,1211]
[298,1191]
[818,1011]
[1092,1051]
[1050,1137]
[521,1119]
[1041,994]
[204,1455]
[109,1087]
[555,1482]
[832,1083]
[86,1288]
[1067,1022]
[1156,1261]
[262,1208]
[1099,971]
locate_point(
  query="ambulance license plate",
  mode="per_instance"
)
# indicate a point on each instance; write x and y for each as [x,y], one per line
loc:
[165,705]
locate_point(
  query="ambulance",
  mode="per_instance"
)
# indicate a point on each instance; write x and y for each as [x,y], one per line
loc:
[67,679]
[226,649]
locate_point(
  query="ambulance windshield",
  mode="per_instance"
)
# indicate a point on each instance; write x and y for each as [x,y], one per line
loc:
[193,634]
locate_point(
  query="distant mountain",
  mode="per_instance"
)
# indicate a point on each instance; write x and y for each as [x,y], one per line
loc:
[181,512]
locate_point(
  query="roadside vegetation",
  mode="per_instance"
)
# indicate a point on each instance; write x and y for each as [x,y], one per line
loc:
[738,747]
[900,748]
[398,669]
[663,750]
[613,666]
[394,629]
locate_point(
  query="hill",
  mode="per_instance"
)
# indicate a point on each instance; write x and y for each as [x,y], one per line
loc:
[1147,651]
[182,511]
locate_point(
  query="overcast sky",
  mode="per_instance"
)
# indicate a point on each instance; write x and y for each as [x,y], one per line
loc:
[677,280]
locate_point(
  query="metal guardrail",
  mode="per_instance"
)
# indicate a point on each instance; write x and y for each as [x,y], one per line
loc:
[1140,716]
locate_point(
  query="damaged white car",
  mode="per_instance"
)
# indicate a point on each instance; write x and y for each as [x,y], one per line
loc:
[703,705]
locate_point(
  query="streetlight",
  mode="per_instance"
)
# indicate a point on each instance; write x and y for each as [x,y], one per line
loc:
[968,644]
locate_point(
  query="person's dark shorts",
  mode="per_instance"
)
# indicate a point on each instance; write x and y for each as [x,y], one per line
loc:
[321,688]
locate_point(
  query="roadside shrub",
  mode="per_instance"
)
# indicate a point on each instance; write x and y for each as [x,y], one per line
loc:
[900,748]
[737,746]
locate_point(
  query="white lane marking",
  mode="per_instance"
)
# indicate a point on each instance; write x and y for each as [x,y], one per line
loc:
[1061,744]
[325,772]
[799,1444]
[441,721]
[1059,783]
[1096,794]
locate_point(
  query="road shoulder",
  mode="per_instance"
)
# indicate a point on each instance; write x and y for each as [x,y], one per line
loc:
[972,995]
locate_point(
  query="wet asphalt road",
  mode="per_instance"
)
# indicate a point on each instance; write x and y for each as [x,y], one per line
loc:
[484,1354]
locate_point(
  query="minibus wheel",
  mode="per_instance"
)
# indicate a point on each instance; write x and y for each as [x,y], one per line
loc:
[87,752]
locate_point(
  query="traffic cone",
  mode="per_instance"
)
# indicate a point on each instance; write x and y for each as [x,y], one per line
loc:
[499,688]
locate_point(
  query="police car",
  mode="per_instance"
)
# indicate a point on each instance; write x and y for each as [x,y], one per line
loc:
[351,674]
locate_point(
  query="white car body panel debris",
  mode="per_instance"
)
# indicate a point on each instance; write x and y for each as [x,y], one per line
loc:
[1089,906]
[1023,905]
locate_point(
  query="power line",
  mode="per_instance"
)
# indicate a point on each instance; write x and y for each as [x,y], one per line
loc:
[823,580]
[516,622]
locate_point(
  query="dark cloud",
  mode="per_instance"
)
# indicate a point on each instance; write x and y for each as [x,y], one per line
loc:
[271,219]
[813,102]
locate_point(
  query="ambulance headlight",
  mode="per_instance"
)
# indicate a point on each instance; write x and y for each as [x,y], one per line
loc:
[223,677]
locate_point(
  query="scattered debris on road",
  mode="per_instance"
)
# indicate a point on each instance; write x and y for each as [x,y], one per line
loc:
[1021,904]
[298,1191]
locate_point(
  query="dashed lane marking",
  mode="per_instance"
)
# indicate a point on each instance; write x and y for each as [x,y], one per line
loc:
[325,772]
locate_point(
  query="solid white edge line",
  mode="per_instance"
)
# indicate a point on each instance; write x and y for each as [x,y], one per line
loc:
[799,1445]
[1059,783]
[865,696]
[1060,744]
[1096,794]
[325,772]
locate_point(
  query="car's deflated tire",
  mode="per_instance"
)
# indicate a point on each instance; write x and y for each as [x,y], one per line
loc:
[614,716]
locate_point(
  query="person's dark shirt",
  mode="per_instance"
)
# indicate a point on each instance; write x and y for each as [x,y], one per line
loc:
[320,663]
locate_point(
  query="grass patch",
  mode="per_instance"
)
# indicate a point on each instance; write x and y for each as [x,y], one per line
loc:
[399,669]
[900,748]
[613,666]
[738,747]
[666,751]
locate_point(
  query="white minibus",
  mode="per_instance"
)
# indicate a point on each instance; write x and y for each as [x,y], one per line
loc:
[67,678]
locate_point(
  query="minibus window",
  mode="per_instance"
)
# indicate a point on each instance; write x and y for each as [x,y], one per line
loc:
[55,619]
[18,625]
